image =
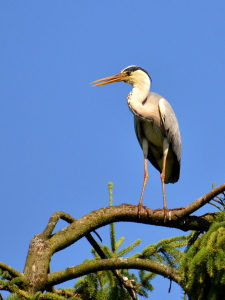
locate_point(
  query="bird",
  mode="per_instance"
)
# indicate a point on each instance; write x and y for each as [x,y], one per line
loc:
[156,127]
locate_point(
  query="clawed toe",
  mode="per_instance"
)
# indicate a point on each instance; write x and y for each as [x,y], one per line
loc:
[167,212]
[139,206]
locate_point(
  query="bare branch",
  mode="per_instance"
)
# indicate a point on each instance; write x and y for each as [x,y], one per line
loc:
[107,215]
[202,200]
[217,206]
[12,272]
[218,201]
[54,220]
[112,264]
[178,218]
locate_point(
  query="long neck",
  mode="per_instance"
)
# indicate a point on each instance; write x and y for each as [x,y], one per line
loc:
[137,96]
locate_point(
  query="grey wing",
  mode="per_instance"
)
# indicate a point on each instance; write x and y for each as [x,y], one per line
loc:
[140,135]
[171,127]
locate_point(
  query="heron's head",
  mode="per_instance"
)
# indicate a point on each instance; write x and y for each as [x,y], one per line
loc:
[132,74]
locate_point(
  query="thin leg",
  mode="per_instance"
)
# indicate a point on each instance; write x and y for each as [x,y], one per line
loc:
[145,151]
[145,180]
[165,152]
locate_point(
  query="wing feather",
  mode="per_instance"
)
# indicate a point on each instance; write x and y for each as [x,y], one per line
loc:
[140,135]
[171,126]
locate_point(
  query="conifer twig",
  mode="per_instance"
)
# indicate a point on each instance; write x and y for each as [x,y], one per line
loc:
[8,286]
[127,284]
[98,249]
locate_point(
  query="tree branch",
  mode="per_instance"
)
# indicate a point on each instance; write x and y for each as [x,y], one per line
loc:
[9,286]
[12,272]
[53,221]
[44,245]
[202,201]
[112,264]
[104,216]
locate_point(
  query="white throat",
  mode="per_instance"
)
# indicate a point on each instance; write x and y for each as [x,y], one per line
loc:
[141,86]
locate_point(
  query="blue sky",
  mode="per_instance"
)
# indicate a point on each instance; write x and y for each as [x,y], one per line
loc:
[62,140]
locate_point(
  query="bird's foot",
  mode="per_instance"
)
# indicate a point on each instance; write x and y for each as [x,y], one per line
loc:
[167,212]
[140,206]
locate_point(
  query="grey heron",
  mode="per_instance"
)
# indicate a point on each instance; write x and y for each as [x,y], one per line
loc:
[156,127]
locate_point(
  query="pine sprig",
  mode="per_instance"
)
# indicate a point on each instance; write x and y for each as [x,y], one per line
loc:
[202,266]
[112,225]
[119,243]
[128,249]
[104,284]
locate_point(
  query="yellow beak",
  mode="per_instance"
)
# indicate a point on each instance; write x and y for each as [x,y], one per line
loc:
[110,79]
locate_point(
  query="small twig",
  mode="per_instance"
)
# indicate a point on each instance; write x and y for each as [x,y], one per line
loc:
[170,286]
[220,198]
[202,200]
[54,220]
[218,201]
[215,205]
[97,235]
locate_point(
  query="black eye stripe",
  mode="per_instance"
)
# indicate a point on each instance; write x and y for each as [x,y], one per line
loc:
[135,68]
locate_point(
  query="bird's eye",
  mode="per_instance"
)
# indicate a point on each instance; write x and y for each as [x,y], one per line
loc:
[128,73]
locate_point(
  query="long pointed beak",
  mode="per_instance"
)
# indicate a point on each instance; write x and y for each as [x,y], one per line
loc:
[110,79]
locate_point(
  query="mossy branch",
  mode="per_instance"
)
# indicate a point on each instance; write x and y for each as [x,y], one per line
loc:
[112,264]
[53,221]
[12,272]
[13,288]
[177,219]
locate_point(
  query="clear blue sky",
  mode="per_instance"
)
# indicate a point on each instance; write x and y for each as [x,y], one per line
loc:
[62,140]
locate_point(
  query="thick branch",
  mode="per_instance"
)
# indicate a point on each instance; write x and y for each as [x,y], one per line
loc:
[177,219]
[112,264]
[40,253]
[105,216]
[12,272]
